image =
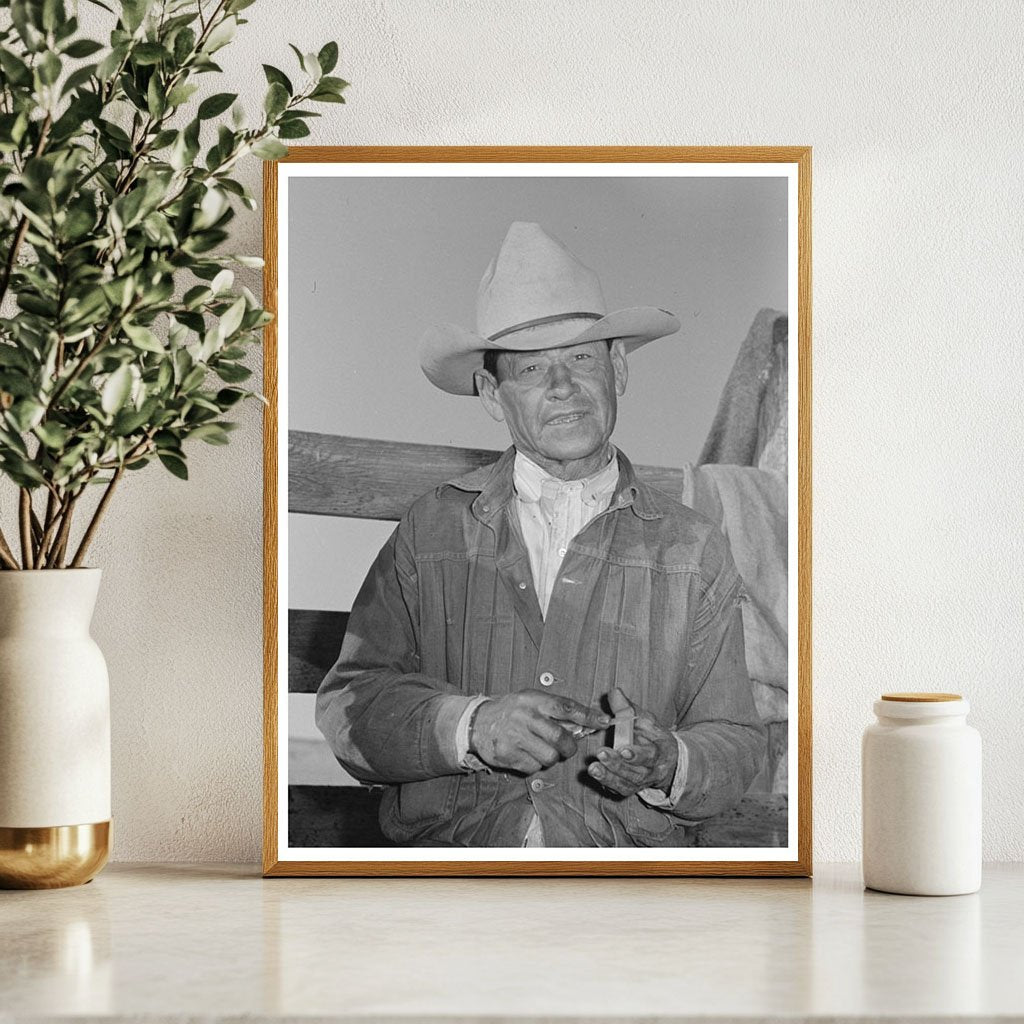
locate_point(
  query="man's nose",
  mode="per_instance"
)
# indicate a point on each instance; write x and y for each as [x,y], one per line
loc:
[561,383]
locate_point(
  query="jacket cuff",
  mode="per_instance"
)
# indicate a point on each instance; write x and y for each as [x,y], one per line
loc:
[470,762]
[451,711]
[657,797]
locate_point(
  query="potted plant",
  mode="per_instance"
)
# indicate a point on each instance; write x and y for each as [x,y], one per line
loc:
[122,340]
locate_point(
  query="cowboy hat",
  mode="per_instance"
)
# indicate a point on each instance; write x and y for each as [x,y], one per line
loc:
[535,295]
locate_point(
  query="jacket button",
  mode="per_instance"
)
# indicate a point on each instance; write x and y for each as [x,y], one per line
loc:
[536,785]
[522,586]
[546,679]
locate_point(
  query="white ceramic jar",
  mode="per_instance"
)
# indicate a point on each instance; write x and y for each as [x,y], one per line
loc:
[921,778]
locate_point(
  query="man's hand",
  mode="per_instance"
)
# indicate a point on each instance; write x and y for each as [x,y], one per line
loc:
[529,730]
[649,762]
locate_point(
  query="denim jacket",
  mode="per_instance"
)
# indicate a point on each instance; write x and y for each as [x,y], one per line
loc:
[647,599]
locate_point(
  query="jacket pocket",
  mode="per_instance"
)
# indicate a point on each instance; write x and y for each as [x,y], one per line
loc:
[412,807]
[647,826]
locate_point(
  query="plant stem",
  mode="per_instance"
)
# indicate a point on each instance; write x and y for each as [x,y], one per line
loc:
[61,543]
[96,517]
[50,525]
[6,555]
[12,255]
[19,234]
[25,521]
[37,531]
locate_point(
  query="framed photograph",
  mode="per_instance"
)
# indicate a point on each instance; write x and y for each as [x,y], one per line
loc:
[538,511]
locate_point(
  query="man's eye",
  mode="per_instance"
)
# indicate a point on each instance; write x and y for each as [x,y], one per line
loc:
[529,368]
[582,355]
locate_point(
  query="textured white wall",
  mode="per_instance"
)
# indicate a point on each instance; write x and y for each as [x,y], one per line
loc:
[914,113]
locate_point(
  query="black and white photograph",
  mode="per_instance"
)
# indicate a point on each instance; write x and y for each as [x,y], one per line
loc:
[538,570]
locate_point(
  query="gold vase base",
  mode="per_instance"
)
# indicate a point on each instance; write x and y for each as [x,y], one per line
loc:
[53,857]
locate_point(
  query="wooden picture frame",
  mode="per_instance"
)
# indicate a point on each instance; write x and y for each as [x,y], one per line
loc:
[333,475]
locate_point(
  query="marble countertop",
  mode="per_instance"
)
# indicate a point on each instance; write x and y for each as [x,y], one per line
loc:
[179,941]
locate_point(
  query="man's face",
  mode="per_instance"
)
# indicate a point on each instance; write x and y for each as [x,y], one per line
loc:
[559,403]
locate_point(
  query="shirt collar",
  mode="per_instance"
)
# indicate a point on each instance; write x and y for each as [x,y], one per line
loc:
[533,482]
[494,487]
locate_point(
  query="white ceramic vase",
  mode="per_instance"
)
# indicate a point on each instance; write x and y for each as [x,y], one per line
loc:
[54,731]
[921,774]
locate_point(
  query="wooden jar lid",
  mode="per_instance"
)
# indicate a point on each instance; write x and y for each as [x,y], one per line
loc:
[921,698]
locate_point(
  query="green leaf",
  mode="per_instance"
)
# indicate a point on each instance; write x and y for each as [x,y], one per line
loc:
[276,76]
[65,30]
[211,208]
[83,48]
[116,133]
[293,130]
[35,304]
[232,319]
[211,433]
[149,53]
[184,44]
[184,150]
[216,104]
[181,94]
[16,70]
[26,413]
[175,465]
[164,376]
[143,338]
[193,379]
[128,421]
[53,435]
[328,57]
[196,296]
[21,471]
[133,12]
[12,356]
[232,373]
[116,390]
[25,16]
[334,84]
[129,207]
[323,96]
[156,100]
[11,443]
[221,35]
[222,282]
[269,149]
[111,62]
[234,6]
[311,65]
[227,397]
[276,99]
[162,139]
[53,14]
[49,68]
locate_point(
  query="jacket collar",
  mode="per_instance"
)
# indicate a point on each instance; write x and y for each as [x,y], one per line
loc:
[495,488]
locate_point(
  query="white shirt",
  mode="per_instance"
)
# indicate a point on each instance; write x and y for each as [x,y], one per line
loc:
[553,511]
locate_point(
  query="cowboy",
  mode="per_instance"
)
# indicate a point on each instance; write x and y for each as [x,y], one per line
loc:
[547,651]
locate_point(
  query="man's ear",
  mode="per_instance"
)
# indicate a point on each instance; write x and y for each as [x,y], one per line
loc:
[487,389]
[619,367]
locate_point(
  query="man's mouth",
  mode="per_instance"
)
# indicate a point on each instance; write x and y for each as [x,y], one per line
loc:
[566,417]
